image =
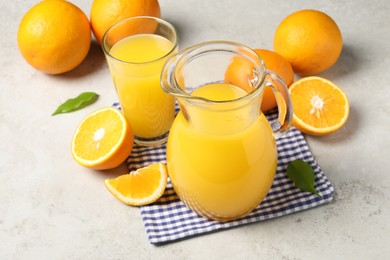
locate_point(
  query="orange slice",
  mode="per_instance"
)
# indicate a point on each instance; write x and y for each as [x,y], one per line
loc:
[320,107]
[140,187]
[103,139]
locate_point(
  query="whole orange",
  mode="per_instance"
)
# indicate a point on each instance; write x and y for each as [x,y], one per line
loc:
[310,40]
[239,68]
[54,36]
[280,66]
[105,13]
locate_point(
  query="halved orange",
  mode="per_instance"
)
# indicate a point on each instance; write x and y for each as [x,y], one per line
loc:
[140,187]
[103,139]
[320,107]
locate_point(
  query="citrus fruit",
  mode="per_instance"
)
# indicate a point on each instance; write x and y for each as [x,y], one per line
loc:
[238,70]
[310,40]
[54,36]
[140,187]
[320,107]
[103,139]
[105,13]
[275,62]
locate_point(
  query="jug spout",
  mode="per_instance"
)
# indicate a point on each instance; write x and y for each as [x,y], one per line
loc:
[169,83]
[207,63]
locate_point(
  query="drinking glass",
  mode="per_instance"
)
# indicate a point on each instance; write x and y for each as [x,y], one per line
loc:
[136,50]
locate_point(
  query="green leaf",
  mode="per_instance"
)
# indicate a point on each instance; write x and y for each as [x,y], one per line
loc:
[73,104]
[302,174]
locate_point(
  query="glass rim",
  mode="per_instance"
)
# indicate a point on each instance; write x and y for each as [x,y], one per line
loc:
[159,20]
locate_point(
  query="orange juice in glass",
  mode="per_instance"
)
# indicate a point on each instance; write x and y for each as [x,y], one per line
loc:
[136,50]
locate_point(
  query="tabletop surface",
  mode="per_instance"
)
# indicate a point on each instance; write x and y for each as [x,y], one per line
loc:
[52,208]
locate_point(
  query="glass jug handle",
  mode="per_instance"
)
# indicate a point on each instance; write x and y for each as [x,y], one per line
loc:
[285,118]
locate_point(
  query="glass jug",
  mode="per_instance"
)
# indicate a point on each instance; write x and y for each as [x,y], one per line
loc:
[221,150]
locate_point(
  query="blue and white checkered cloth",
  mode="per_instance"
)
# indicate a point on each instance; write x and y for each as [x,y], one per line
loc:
[169,219]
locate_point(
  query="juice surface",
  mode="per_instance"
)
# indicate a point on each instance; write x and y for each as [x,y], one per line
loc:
[221,176]
[149,110]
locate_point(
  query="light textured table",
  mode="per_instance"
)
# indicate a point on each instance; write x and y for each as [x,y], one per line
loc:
[52,208]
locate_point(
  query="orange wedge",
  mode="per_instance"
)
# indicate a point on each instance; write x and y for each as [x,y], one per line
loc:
[140,187]
[320,107]
[103,140]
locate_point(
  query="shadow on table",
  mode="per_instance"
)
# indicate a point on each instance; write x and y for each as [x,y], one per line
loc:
[349,62]
[346,133]
[94,62]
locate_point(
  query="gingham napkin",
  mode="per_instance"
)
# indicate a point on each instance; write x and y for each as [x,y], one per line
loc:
[169,219]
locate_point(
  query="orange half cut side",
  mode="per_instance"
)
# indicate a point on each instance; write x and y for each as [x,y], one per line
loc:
[103,139]
[320,107]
